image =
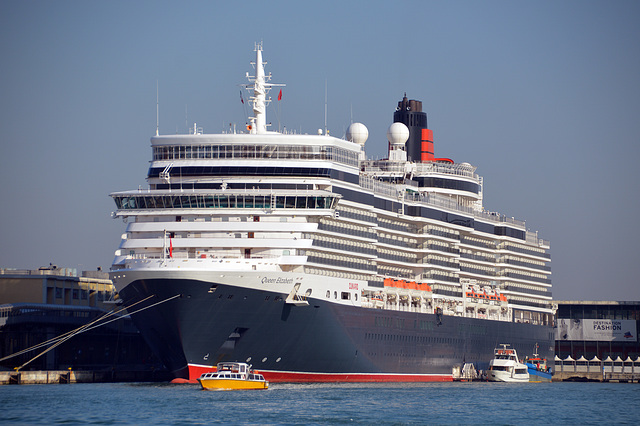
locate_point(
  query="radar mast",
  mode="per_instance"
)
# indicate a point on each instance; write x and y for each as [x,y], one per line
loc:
[261,88]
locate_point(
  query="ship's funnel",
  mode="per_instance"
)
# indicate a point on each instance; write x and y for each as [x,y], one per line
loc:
[419,146]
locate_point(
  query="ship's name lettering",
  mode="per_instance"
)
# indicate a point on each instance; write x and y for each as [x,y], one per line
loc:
[278,280]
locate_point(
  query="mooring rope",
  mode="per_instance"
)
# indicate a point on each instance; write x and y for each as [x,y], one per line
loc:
[56,341]
[71,332]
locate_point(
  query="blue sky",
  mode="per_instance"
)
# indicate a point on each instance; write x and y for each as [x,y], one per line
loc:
[543,97]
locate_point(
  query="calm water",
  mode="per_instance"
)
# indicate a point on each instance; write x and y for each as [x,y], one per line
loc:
[326,404]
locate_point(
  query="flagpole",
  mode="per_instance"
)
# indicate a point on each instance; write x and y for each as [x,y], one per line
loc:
[279,111]
[244,106]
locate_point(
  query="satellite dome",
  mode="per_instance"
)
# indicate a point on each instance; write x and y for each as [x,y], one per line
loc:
[357,133]
[398,134]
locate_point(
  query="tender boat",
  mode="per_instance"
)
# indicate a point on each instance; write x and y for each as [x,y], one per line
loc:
[538,369]
[233,376]
[506,367]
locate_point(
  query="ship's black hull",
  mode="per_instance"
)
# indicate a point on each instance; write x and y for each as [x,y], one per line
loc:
[322,341]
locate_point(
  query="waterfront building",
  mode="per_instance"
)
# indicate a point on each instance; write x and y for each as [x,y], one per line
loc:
[597,341]
[57,286]
[597,329]
[39,305]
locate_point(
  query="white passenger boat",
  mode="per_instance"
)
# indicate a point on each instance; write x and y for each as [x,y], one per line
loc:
[506,367]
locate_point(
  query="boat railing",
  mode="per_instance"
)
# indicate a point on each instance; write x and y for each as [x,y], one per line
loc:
[211,257]
[439,200]
[459,169]
[427,308]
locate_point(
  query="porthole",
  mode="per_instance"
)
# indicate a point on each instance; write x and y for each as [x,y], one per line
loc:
[264,359]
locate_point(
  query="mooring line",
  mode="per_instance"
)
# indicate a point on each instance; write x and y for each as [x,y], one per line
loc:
[134,312]
[72,332]
[89,326]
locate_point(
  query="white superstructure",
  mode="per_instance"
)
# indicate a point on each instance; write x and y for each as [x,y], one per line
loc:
[309,215]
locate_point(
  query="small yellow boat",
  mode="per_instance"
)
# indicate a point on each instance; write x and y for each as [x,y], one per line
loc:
[233,376]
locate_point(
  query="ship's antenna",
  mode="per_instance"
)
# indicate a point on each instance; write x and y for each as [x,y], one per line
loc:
[186,118]
[325,106]
[157,111]
[260,86]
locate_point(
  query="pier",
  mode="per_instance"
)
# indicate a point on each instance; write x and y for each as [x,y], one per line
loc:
[597,377]
[596,370]
[84,376]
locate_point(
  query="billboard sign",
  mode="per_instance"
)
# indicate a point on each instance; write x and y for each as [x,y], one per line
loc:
[601,330]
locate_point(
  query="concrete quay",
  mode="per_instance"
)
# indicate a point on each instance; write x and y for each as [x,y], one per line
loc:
[571,376]
[81,376]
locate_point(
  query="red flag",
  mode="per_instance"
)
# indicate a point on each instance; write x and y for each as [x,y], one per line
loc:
[241,100]
[280,95]
[170,248]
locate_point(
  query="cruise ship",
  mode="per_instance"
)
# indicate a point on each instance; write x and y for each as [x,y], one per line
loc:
[297,254]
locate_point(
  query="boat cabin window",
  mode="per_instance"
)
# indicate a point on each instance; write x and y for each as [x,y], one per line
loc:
[223,201]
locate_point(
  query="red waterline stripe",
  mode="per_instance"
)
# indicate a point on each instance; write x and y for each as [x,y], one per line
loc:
[297,377]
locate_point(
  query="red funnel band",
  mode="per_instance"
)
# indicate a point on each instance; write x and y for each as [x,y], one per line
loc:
[426,145]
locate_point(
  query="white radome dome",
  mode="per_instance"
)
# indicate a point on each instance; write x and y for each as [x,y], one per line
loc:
[357,133]
[398,134]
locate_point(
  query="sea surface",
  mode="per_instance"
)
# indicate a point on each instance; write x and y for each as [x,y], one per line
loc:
[324,404]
